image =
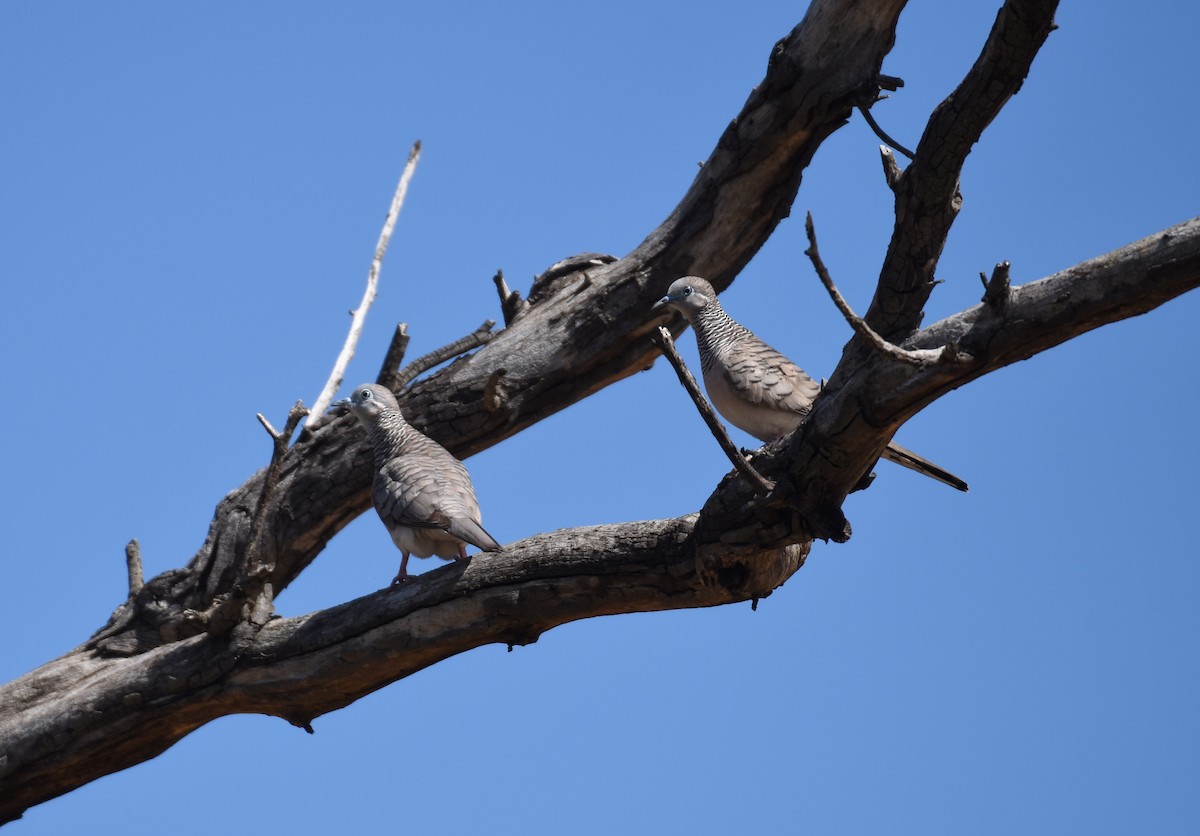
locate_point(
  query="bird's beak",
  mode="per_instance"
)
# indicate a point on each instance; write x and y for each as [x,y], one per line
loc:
[661,303]
[339,407]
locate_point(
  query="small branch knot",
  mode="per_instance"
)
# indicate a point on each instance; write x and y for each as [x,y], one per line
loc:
[493,395]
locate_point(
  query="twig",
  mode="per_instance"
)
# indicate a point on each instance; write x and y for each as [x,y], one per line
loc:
[511,304]
[882,134]
[394,357]
[923,357]
[662,339]
[480,336]
[996,292]
[133,562]
[359,314]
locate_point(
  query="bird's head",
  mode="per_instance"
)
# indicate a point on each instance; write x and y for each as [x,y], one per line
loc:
[367,402]
[688,295]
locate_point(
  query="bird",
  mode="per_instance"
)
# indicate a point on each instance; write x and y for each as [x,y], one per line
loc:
[422,493]
[752,385]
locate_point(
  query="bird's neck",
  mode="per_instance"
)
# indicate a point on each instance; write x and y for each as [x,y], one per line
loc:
[390,436]
[714,330]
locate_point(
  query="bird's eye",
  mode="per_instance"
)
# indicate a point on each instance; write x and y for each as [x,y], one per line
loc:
[687,291]
[365,395]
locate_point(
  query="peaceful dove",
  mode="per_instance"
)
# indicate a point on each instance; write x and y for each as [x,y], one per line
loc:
[422,493]
[755,387]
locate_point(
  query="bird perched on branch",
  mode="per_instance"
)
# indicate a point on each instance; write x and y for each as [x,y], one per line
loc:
[422,493]
[752,385]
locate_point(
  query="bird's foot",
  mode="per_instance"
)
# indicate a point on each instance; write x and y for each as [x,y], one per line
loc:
[402,578]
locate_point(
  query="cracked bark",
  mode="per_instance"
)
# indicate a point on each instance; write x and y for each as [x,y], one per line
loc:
[153,674]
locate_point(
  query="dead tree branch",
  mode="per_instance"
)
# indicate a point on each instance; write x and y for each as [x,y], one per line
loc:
[662,339]
[390,368]
[927,196]
[150,677]
[253,586]
[359,314]
[133,564]
[881,133]
[737,549]
[998,290]
[480,336]
[860,327]
[511,303]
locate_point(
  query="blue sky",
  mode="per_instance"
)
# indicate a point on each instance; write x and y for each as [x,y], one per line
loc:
[190,197]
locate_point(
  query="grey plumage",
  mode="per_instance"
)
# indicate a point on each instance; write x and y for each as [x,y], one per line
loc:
[752,385]
[422,493]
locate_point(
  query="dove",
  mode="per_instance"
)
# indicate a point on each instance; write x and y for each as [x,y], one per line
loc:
[422,493]
[752,385]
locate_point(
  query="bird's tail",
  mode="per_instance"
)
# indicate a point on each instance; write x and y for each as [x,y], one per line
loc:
[467,529]
[907,458]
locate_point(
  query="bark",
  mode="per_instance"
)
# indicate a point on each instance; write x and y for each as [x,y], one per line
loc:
[198,642]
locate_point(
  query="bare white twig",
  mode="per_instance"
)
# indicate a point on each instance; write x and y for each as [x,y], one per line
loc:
[359,314]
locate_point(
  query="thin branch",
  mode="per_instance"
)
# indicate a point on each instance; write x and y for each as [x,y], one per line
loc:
[133,563]
[359,314]
[394,357]
[480,336]
[881,133]
[662,338]
[511,304]
[913,358]
[928,199]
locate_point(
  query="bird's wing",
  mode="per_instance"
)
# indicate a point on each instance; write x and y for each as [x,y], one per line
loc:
[763,376]
[430,488]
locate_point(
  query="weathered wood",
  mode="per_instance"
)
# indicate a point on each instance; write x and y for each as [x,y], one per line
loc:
[154,673]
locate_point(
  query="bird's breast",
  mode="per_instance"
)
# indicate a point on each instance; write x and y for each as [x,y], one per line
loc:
[764,422]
